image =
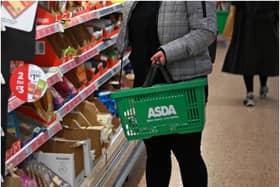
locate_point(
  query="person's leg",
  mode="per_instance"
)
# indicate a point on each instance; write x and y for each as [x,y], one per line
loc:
[186,148]
[249,83]
[158,166]
[263,88]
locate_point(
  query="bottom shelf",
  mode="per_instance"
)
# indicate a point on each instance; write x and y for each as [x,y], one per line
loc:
[114,172]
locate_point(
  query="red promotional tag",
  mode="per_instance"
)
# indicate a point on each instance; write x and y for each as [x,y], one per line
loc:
[28,82]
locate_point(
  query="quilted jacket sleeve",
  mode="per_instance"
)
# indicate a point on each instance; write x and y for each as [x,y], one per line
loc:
[202,32]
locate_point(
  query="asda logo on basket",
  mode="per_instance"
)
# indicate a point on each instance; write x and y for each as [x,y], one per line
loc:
[160,111]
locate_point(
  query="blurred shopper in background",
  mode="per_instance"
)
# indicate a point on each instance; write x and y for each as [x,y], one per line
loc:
[254,48]
[177,34]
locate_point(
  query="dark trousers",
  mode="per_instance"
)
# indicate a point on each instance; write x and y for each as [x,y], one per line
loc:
[186,148]
[249,82]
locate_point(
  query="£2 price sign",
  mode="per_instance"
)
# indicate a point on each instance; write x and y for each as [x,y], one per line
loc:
[28,82]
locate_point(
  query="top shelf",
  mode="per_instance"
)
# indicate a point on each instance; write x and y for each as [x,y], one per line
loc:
[46,30]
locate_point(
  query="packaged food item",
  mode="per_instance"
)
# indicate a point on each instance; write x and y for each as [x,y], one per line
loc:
[78,76]
[58,101]
[66,89]
[41,110]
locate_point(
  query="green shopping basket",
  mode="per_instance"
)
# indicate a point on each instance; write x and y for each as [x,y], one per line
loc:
[162,109]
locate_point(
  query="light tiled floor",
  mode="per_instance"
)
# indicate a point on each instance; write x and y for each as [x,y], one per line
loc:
[239,144]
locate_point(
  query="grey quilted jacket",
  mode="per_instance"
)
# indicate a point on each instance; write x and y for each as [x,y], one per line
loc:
[184,35]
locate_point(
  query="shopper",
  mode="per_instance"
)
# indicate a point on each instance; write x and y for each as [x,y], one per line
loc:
[254,48]
[177,34]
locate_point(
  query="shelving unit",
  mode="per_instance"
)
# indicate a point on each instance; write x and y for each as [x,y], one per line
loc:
[55,73]
[70,105]
[113,166]
[46,30]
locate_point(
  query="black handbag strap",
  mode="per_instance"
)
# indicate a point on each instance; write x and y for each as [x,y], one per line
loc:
[152,73]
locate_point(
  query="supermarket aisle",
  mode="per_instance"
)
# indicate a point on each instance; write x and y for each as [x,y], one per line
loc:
[240,144]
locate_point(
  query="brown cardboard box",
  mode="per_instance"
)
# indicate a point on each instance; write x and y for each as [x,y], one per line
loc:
[102,108]
[81,134]
[89,110]
[10,181]
[99,105]
[78,116]
[60,146]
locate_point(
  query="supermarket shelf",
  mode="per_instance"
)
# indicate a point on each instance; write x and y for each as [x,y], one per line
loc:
[53,77]
[56,76]
[82,95]
[46,30]
[65,67]
[94,14]
[33,145]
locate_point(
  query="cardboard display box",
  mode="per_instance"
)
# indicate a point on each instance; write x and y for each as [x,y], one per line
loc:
[66,158]
[94,135]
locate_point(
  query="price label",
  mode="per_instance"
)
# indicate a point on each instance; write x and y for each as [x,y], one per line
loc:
[28,82]
[54,79]
[28,151]
[35,145]
[93,15]
[50,132]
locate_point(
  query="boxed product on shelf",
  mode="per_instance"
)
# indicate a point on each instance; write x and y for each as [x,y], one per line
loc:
[71,131]
[75,121]
[13,145]
[58,100]
[96,119]
[54,50]
[116,19]
[63,91]
[110,56]
[104,24]
[93,135]
[41,110]
[48,13]
[102,109]
[90,111]
[53,11]
[97,67]
[83,37]
[96,33]
[79,76]
[64,157]
[59,48]
[78,116]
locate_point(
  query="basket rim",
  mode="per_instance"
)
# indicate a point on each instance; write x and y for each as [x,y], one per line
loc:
[159,88]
